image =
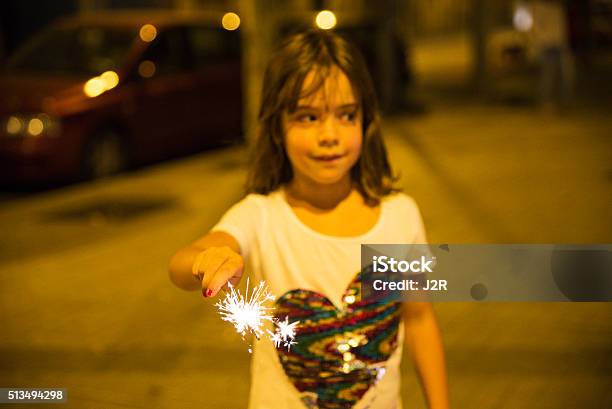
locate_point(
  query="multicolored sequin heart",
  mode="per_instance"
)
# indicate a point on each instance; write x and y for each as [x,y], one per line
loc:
[339,354]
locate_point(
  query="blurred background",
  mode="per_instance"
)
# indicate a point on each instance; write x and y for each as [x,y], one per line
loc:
[124,130]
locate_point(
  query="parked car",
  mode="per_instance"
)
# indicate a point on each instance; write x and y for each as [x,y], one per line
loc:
[94,94]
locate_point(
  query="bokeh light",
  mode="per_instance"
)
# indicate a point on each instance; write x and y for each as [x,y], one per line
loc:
[13,125]
[102,83]
[230,21]
[94,87]
[110,78]
[146,69]
[326,20]
[35,126]
[523,20]
[148,32]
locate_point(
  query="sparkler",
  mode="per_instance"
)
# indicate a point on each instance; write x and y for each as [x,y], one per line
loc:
[284,333]
[246,314]
[249,314]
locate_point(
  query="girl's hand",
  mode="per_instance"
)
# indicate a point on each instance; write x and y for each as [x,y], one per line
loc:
[215,266]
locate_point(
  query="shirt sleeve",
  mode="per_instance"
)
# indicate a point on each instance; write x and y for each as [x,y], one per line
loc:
[414,217]
[418,236]
[242,222]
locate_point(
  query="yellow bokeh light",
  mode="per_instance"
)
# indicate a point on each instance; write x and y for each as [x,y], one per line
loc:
[148,32]
[94,87]
[354,342]
[13,125]
[146,69]
[110,78]
[326,20]
[35,126]
[98,85]
[343,348]
[230,21]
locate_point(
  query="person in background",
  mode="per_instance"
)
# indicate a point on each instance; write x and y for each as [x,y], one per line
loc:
[550,40]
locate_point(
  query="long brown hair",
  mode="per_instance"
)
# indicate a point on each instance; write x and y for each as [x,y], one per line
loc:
[318,51]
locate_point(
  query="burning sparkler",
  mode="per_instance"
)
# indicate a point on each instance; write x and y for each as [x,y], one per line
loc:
[248,314]
[284,334]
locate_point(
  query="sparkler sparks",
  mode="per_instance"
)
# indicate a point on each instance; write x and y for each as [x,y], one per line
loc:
[284,333]
[248,314]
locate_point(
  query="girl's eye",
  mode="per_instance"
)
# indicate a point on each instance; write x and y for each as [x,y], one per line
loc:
[307,118]
[349,116]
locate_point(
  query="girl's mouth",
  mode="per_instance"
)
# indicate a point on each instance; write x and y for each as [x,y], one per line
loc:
[327,158]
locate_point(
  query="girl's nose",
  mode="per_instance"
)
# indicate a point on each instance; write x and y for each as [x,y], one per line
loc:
[328,136]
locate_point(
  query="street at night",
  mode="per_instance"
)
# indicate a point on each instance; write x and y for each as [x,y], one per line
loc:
[87,304]
[308,204]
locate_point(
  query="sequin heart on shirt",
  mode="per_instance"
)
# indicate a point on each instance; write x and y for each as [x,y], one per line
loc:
[339,354]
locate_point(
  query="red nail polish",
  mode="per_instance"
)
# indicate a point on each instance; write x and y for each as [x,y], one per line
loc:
[209,292]
[203,292]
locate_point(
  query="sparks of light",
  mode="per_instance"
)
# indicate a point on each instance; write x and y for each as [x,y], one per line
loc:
[247,314]
[284,334]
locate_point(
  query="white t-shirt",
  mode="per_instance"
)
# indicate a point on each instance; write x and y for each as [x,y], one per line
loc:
[302,267]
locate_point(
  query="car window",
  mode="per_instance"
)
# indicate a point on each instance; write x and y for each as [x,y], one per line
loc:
[168,52]
[212,45]
[74,50]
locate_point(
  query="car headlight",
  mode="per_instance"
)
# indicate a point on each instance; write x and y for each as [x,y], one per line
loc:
[31,125]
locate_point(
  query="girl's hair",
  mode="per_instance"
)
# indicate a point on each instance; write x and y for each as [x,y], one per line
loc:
[297,56]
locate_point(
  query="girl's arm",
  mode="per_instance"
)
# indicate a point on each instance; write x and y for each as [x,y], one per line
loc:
[225,250]
[424,341]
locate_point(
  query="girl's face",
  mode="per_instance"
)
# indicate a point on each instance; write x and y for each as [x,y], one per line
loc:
[323,136]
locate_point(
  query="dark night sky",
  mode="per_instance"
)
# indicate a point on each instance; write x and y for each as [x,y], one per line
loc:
[20,19]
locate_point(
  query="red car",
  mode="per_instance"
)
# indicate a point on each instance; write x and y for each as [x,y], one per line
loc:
[92,95]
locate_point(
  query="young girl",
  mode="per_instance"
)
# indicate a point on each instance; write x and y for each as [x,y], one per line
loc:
[320,185]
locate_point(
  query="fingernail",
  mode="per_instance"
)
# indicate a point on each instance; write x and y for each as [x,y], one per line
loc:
[208,293]
[203,293]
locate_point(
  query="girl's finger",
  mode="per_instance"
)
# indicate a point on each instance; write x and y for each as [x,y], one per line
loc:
[226,272]
[235,279]
[195,268]
[210,265]
[213,258]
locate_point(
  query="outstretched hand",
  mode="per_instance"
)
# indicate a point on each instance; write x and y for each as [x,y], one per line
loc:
[215,267]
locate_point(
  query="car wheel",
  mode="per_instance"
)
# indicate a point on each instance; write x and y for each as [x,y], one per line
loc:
[105,155]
